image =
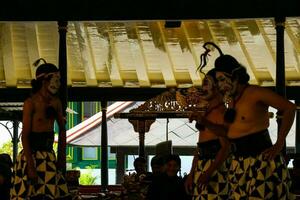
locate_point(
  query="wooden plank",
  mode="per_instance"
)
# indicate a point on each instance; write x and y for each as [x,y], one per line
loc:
[8,55]
[86,54]
[32,45]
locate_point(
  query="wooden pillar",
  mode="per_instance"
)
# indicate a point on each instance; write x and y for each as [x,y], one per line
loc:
[104,153]
[297,143]
[62,63]
[141,126]
[280,65]
[15,139]
[142,144]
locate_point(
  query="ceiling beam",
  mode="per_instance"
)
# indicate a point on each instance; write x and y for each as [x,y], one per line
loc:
[194,74]
[75,10]
[295,41]
[139,58]
[251,65]
[111,94]
[113,63]
[167,66]
[272,65]
[87,57]
[8,55]
[32,45]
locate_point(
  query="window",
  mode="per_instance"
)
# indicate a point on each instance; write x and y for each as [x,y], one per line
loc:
[89,153]
[70,155]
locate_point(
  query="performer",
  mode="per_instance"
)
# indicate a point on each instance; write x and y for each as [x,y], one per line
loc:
[209,169]
[36,172]
[258,169]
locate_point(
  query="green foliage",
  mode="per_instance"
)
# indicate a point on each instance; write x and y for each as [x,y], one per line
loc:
[7,147]
[87,178]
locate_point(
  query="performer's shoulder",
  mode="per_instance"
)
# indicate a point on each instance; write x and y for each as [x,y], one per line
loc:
[256,89]
[29,101]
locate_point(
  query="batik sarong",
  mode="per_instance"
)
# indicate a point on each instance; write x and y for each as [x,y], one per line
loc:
[217,187]
[254,178]
[50,184]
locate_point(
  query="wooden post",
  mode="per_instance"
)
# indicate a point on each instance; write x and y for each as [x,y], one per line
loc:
[297,143]
[62,63]
[141,126]
[104,154]
[280,65]
[15,139]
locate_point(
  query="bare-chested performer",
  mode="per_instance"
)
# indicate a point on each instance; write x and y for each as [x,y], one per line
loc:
[36,172]
[258,169]
[209,170]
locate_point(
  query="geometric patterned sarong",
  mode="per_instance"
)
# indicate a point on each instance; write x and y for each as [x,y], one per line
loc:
[217,187]
[51,184]
[254,178]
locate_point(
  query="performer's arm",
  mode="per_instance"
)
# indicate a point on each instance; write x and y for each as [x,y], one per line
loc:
[287,111]
[217,163]
[219,130]
[190,179]
[220,158]
[27,121]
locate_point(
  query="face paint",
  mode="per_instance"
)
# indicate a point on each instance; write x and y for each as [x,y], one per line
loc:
[54,83]
[226,86]
[208,87]
[224,82]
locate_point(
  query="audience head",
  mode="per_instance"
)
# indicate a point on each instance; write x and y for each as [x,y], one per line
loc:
[173,165]
[140,165]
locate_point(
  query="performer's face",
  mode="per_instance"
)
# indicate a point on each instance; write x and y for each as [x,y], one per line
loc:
[225,83]
[208,88]
[54,83]
[172,168]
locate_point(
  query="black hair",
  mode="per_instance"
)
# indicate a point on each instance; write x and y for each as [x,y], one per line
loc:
[139,159]
[212,73]
[229,65]
[173,157]
[44,68]
[204,56]
[6,159]
[225,63]
[157,160]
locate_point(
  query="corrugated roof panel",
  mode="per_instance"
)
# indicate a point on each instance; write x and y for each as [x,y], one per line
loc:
[145,53]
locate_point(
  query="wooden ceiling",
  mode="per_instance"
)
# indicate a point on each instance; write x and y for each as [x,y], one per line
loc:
[146,54]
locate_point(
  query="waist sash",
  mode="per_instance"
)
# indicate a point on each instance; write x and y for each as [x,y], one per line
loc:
[251,145]
[41,141]
[209,149]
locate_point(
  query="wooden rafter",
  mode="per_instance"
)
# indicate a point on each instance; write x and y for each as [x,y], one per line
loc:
[139,59]
[113,63]
[168,70]
[251,67]
[33,47]
[86,54]
[296,45]
[8,55]
[195,76]
[272,65]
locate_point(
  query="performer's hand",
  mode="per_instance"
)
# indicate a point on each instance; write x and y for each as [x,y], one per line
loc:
[203,181]
[272,152]
[32,174]
[188,184]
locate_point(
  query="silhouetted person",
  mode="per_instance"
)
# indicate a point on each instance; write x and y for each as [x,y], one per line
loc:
[168,185]
[208,176]
[5,176]
[37,172]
